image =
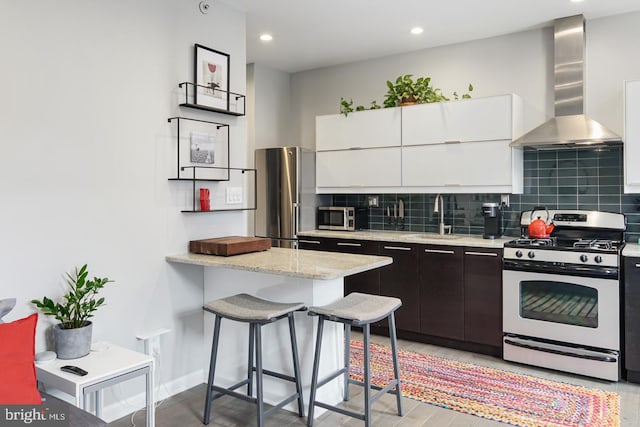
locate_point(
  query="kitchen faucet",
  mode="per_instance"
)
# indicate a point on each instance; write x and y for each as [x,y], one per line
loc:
[436,209]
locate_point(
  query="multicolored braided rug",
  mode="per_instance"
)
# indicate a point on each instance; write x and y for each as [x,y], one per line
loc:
[503,396]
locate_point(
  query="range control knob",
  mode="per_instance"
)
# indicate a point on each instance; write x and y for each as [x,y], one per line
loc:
[519,254]
[531,254]
[583,258]
[598,259]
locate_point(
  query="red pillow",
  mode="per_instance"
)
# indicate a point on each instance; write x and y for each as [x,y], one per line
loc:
[17,370]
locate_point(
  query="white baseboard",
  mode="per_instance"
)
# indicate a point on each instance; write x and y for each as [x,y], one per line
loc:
[137,402]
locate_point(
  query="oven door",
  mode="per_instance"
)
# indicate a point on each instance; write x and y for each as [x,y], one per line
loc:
[564,308]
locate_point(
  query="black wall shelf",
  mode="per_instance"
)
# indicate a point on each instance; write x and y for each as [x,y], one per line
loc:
[190,88]
[211,174]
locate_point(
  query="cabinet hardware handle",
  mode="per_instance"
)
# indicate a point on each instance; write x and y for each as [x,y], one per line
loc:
[452,185]
[349,244]
[439,251]
[315,242]
[398,248]
[355,148]
[638,265]
[452,142]
[481,253]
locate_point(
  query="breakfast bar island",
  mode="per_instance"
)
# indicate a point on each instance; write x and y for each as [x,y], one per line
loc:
[284,275]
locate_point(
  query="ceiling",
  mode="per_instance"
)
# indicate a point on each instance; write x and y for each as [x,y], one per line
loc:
[311,34]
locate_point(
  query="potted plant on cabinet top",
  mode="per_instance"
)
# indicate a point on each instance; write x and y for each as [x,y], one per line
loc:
[407,91]
[72,336]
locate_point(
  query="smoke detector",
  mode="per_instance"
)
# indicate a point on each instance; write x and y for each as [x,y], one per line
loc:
[204,7]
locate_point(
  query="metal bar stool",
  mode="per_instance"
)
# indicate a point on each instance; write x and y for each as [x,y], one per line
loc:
[256,312]
[358,310]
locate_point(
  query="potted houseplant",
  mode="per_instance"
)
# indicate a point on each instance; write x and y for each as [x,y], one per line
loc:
[407,91]
[72,336]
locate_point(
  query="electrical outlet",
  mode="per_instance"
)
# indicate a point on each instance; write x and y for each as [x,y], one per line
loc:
[504,199]
[234,195]
[154,346]
[373,201]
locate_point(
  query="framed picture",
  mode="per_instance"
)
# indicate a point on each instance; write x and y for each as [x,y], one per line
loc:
[211,78]
[202,148]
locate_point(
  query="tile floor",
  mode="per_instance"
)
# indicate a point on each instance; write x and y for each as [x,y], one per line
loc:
[185,409]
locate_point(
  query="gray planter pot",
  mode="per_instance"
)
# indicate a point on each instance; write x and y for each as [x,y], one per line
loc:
[72,343]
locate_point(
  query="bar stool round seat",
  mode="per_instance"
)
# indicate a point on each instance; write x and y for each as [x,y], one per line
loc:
[356,309]
[256,312]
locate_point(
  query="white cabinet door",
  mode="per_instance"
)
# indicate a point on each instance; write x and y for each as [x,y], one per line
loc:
[423,124]
[374,167]
[360,129]
[462,166]
[482,119]
[632,136]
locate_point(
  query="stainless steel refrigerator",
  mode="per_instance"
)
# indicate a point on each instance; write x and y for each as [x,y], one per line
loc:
[286,198]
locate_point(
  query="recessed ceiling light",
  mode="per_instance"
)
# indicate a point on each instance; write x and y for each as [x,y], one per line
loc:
[576,1]
[266,37]
[416,30]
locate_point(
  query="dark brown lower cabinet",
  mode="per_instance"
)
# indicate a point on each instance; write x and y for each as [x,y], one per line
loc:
[441,291]
[367,282]
[483,296]
[400,280]
[451,295]
[632,318]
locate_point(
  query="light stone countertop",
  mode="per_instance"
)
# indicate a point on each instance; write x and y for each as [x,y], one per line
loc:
[631,249]
[290,262]
[410,237]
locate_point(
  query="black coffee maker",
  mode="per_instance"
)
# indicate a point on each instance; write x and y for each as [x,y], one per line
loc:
[492,213]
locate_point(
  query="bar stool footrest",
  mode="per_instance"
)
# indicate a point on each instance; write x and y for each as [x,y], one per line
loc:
[280,405]
[331,377]
[277,375]
[342,411]
[228,392]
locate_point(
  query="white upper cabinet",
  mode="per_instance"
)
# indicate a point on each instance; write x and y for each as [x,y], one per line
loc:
[481,166]
[360,129]
[481,119]
[632,137]
[453,147]
[374,167]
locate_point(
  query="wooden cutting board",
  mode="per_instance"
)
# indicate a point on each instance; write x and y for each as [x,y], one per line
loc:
[230,245]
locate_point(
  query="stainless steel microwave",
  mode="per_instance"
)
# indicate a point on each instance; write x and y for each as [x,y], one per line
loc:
[342,218]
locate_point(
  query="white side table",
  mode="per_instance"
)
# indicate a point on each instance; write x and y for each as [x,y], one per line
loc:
[107,367]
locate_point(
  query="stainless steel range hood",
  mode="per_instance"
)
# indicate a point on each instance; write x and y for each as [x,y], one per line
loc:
[570,128]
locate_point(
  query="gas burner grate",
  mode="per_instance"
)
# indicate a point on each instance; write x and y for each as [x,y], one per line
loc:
[535,242]
[594,244]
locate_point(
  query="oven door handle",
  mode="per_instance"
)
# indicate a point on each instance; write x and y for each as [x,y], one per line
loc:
[564,269]
[560,352]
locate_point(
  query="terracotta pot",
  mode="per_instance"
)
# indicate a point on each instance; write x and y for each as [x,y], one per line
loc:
[410,100]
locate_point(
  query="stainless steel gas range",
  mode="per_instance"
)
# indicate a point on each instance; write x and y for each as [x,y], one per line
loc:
[561,295]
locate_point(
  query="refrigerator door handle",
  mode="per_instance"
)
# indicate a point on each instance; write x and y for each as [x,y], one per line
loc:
[296,220]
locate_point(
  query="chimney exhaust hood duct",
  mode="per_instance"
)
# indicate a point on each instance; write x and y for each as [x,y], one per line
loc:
[570,128]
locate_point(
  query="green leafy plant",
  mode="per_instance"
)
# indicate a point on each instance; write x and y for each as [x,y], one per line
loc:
[346,107]
[465,95]
[405,89]
[79,303]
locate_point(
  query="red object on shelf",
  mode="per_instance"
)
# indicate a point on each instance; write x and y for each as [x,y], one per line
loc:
[205,204]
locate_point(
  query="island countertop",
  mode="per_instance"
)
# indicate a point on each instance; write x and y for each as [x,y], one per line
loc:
[290,262]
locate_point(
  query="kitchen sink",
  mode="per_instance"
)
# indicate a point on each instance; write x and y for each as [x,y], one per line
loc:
[432,236]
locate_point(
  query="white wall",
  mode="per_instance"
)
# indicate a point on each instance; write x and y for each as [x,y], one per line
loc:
[521,63]
[272,110]
[86,154]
